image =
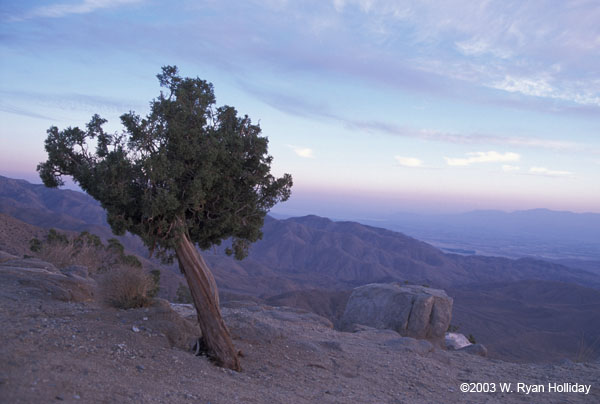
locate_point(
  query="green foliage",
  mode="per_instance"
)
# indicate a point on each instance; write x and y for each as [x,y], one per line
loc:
[187,168]
[35,245]
[115,245]
[87,239]
[54,237]
[453,328]
[183,294]
[471,339]
[155,275]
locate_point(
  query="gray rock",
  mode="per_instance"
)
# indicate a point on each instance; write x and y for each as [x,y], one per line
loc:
[456,340]
[76,270]
[30,263]
[475,349]
[290,314]
[332,345]
[407,344]
[4,256]
[39,278]
[251,329]
[185,310]
[162,319]
[411,310]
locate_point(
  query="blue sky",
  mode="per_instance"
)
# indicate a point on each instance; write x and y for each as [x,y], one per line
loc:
[373,106]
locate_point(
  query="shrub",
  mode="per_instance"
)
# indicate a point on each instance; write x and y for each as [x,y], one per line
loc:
[126,287]
[85,249]
[35,245]
[588,349]
[471,339]
[62,251]
[155,276]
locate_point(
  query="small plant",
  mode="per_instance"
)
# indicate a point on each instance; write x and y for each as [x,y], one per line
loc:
[471,339]
[155,276]
[35,245]
[126,287]
[588,351]
[453,328]
[55,237]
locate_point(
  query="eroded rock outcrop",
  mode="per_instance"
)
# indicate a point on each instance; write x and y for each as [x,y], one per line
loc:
[41,276]
[411,310]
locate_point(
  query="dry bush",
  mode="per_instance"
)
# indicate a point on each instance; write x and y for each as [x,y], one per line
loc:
[85,249]
[588,349]
[63,255]
[126,287]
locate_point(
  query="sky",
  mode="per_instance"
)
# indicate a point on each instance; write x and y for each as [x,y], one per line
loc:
[373,106]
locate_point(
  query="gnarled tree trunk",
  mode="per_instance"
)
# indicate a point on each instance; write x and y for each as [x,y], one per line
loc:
[206,299]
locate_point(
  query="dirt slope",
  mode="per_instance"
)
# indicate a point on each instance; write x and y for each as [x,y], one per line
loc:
[69,351]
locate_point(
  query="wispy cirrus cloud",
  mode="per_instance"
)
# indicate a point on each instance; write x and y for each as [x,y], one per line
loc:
[540,49]
[59,10]
[428,47]
[11,109]
[462,138]
[507,168]
[482,157]
[548,172]
[22,101]
[297,105]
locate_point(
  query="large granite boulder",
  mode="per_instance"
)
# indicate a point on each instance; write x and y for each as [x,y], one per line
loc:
[411,310]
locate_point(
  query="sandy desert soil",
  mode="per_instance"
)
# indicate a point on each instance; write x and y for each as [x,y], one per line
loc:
[56,350]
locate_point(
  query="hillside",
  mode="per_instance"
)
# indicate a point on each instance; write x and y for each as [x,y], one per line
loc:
[312,263]
[301,253]
[347,254]
[76,350]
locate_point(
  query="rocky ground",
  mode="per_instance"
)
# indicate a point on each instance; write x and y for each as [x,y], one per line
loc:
[59,344]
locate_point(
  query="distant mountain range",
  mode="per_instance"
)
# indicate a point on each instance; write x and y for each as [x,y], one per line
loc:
[302,253]
[530,233]
[313,263]
[316,252]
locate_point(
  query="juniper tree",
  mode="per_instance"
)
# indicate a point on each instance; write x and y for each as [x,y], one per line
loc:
[188,174]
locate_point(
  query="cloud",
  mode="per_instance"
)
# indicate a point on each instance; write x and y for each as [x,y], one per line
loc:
[541,49]
[303,152]
[299,106]
[68,101]
[11,109]
[549,173]
[87,6]
[509,169]
[482,157]
[411,162]
[431,48]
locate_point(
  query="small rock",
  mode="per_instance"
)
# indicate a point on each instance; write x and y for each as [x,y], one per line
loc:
[475,349]
[135,329]
[140,367]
